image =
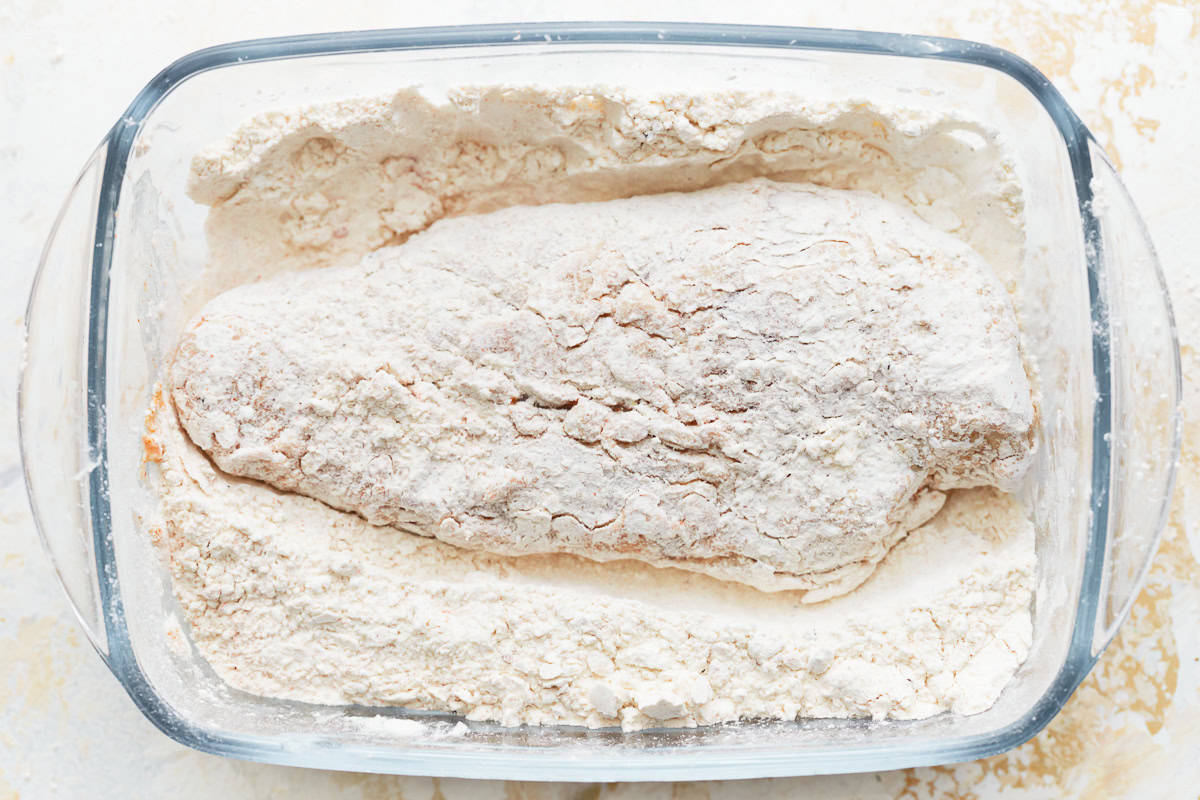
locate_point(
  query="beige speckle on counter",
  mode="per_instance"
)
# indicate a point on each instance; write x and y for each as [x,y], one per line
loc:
[1129,68]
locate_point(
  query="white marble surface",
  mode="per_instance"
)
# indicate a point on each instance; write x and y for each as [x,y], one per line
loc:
[67,70]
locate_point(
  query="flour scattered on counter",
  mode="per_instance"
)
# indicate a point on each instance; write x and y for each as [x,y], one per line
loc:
[288,597]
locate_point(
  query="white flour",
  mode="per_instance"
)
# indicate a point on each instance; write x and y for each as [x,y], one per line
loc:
[327,184]
[287,597]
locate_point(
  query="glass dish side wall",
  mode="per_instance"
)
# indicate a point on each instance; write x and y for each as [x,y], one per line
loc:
[165,228]
[54,398]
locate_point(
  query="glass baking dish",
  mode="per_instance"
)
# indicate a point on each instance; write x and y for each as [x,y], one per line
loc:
[106,305]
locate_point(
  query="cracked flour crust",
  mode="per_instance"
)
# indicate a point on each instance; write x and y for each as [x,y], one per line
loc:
[288,597]
[764,382]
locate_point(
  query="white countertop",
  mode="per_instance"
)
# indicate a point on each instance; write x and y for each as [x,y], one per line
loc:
[67,70]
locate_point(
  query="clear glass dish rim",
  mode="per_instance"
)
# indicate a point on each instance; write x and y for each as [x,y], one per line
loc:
[652,764]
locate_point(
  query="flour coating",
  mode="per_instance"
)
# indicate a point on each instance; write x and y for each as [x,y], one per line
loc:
[764,382]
